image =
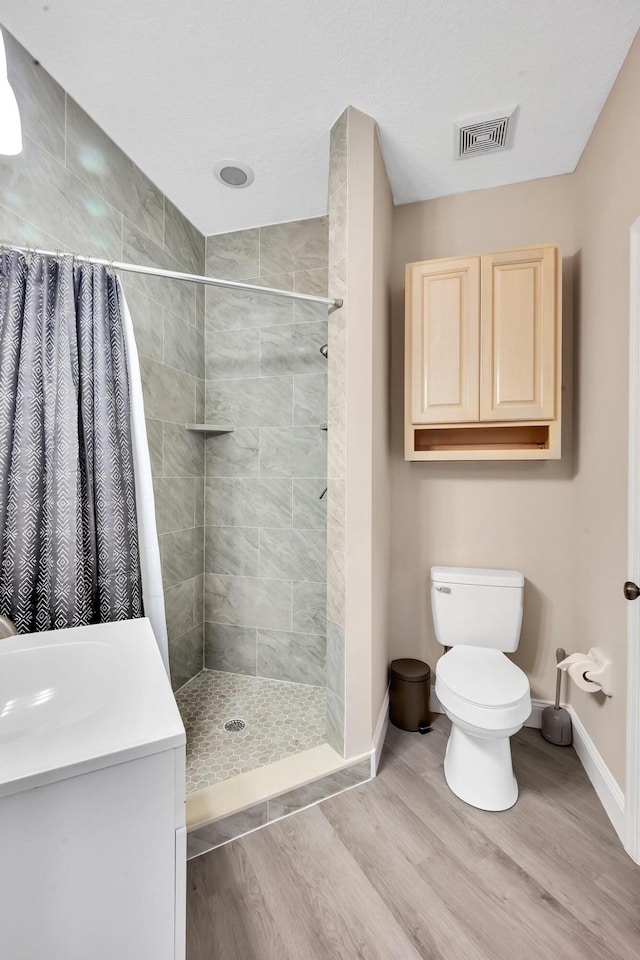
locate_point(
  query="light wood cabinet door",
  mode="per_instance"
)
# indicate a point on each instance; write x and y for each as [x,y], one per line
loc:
[518,335]
[443,313]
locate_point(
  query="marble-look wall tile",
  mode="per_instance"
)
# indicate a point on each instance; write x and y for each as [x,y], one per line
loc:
[322,789]
[253,352]
[175,295]
[94,158]
[198,501]
[71,211]
[24,234]
[232,550]
[335,722]
[293,554]
[248,502]
[295,657]
[154,439]
[146,316]
[198,602]
[335,658]
[183,240]
[233,256]
[40,99]
[336,515]
[337,443]
[310,399]
[260,402]
[338,291]
[201,292]
[233,354]
[230,648]
[234,454]
[335,586]
[293,452]
[338,232]
[200,401]
[248,602]
[182,555]
[337,370]
[179,602]
[175,503]
[309,507]
[338,152]
[168,394]
[314,282]
[294,348]
[185,656]
[183,346]
[236,310]
[287,247]
[183,451]
[309,607]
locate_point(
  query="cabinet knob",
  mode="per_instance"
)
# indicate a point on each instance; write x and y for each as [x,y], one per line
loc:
[631,590]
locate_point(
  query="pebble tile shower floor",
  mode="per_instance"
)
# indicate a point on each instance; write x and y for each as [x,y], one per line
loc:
[281,719]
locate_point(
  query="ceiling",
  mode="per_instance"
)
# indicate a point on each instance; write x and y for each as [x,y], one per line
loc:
[180,85]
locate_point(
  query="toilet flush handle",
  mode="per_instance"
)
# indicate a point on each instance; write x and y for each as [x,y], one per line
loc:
[443,589]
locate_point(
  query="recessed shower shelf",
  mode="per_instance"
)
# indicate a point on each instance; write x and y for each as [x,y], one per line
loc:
[209,427]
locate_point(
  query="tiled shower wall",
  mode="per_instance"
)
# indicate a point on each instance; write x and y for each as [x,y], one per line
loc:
[73,189]
[265,533]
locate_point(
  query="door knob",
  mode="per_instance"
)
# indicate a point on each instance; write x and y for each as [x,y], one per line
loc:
[631,590]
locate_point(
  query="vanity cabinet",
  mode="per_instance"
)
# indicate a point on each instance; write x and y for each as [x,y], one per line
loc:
[483,356]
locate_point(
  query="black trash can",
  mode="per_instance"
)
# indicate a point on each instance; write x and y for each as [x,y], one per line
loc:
[410,683]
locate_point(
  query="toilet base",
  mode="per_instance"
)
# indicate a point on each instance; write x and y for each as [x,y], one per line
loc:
[479,770]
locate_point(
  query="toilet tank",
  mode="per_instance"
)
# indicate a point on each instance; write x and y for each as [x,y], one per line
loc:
[477,607]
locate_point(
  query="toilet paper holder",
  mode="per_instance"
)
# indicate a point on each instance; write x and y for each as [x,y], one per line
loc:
[595,668]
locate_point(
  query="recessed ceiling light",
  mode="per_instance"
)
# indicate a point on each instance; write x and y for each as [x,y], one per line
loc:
[234,173]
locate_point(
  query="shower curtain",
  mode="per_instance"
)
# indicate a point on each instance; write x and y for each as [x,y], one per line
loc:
[69,552]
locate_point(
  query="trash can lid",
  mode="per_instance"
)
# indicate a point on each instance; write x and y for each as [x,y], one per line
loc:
[408,669]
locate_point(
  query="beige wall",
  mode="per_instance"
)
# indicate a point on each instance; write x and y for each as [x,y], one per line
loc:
[483,514]
[381,405]
[564,524]
[607,183]
[360,227]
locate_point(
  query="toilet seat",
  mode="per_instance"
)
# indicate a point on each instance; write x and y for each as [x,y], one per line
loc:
[483,688]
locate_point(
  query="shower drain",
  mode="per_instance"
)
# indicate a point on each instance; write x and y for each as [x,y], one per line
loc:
[234,726]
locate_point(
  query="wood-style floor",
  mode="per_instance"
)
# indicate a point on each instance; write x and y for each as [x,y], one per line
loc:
[399,869]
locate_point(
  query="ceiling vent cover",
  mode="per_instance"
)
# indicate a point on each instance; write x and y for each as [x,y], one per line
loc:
[484,135]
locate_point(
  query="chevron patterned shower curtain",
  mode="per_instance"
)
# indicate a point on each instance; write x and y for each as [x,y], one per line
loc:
[68,530]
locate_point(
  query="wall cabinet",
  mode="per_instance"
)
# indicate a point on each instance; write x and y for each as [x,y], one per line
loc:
[483,357]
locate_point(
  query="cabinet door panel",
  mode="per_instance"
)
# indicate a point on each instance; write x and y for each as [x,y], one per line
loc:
[444,341]
[518,335]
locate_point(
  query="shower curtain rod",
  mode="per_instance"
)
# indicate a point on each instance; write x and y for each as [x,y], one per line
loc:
[176,275]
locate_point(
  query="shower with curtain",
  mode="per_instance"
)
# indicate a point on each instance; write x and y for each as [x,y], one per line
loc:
[78,524]
[70,551]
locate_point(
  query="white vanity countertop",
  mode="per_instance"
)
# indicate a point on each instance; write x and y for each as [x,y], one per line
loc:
[76,700]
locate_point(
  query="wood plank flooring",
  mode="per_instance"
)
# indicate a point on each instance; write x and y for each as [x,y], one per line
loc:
[400,869]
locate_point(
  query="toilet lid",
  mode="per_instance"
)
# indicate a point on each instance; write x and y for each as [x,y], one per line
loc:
[481,676]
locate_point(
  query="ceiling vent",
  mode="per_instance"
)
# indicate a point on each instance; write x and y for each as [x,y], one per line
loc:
[484,134]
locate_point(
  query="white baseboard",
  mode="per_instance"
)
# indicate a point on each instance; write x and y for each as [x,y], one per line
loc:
[606,787]
[379,734]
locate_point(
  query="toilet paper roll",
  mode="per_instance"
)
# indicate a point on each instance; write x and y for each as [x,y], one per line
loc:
[577,670]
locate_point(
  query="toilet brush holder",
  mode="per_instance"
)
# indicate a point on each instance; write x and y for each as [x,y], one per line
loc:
[556,722]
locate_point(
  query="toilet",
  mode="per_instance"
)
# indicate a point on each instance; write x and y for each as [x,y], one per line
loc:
[478,614]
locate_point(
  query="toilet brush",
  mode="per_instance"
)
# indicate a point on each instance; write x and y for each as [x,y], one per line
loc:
[556,722]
